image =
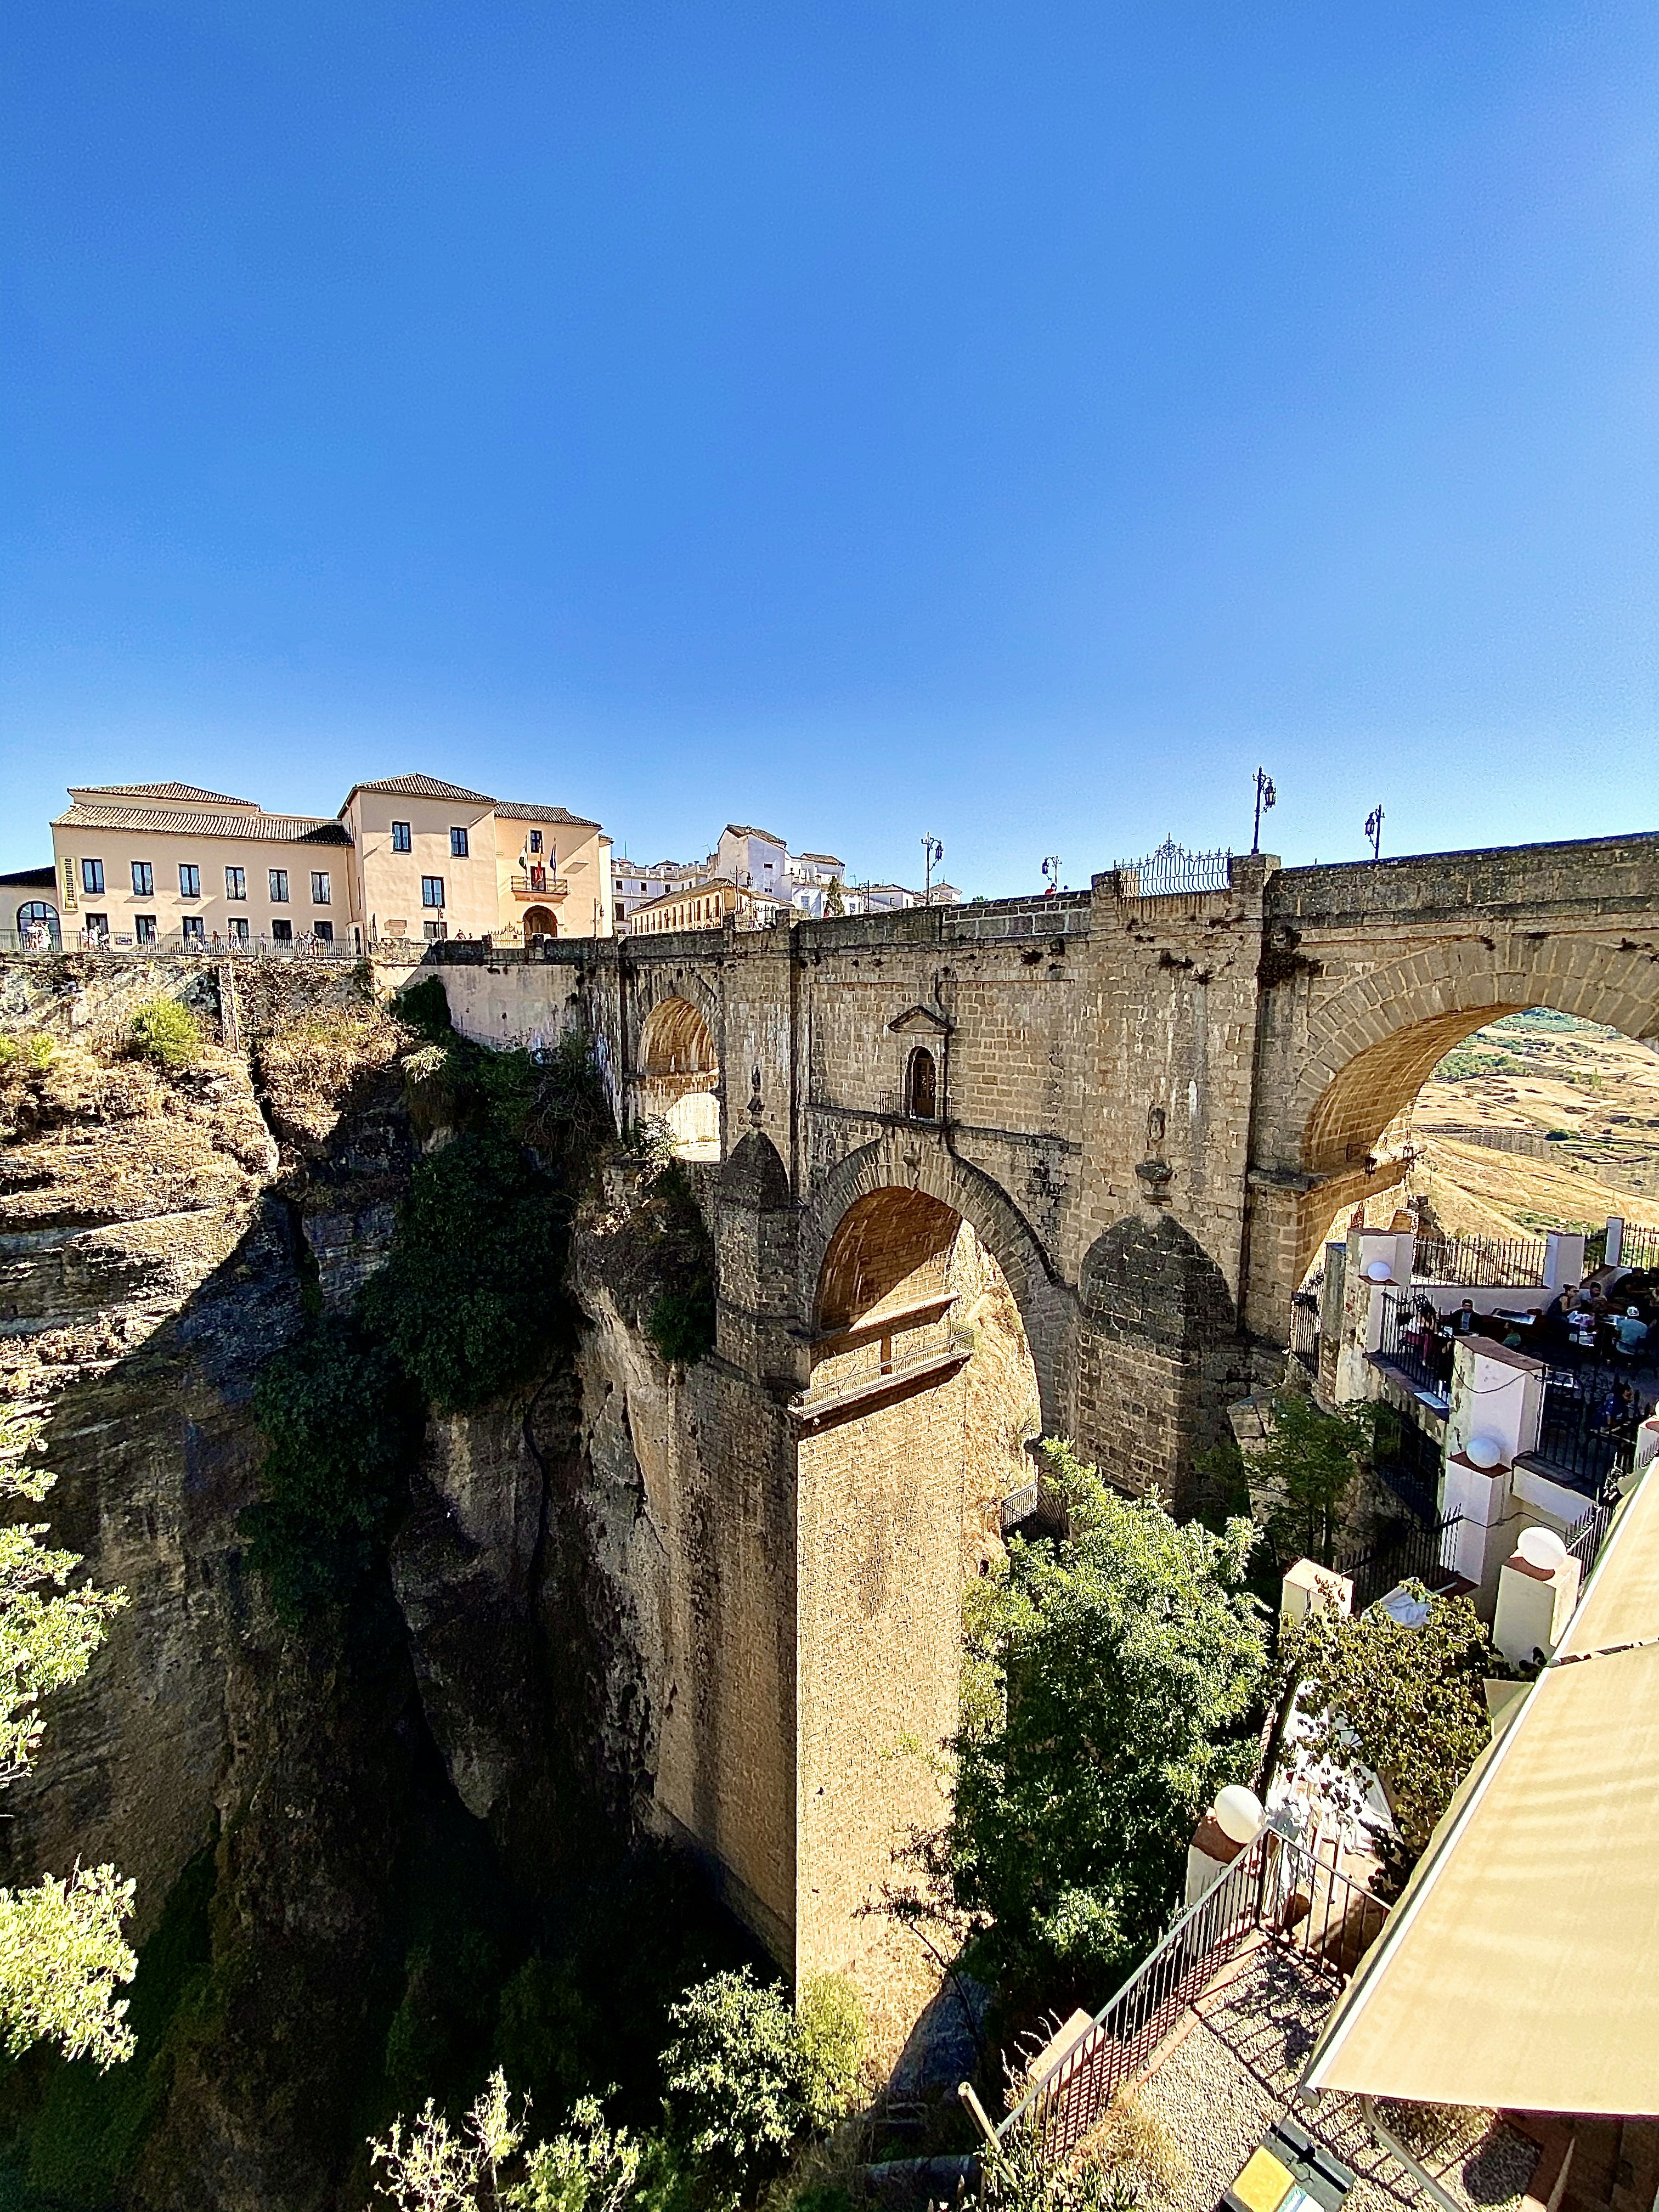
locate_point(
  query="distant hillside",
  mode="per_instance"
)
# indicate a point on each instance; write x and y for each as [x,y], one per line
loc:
[1579,1104]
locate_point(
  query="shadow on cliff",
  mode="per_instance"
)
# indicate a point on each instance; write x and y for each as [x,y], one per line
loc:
[378,1851]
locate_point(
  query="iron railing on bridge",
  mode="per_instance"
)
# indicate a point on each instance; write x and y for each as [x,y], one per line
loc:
[1413,1343]
[1171,869]
[1275,1886]
[1481,1263]
[1588,1433]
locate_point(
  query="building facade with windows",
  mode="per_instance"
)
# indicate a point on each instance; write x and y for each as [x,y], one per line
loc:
[169,864]
[708,904]
[409,858]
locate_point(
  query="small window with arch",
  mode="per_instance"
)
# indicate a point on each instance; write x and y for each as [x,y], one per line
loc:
[921,1085]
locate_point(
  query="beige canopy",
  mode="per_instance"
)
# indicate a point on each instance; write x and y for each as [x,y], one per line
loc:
[1521,1968]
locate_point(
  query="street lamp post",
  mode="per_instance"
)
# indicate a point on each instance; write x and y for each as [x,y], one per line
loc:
[1266,797]
[1374,831]
[932,850]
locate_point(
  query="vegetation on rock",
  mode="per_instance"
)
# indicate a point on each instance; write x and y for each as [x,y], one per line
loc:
[62,1956]
[166,1031]
[1111,1679]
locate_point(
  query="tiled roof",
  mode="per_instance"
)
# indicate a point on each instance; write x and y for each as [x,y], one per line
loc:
[830,860]
[176,790]
[419,787]
[745,829]
[29,879]
[188,821]
[513,809]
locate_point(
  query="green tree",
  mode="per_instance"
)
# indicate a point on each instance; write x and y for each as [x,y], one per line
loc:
[1398,1700]
[1110,1676]
[1312,1459]
[62,1954]
[735,2081]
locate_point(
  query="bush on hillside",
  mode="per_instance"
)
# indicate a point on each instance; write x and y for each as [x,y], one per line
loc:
[167,1032]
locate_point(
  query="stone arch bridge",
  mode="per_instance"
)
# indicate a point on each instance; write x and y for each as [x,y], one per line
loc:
[1117,1126]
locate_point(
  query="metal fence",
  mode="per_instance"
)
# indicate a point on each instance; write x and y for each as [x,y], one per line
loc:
[1641,1246]
[1171,869]
[1406,1551]
[1304,1329]
[1586,1541]
[1301,1902]
[1408,1463]
[1588,1433]
[389,950]
[1412,1343]
[1481,1263]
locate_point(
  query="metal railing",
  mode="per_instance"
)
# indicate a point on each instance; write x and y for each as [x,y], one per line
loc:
[1641,1247]
[1587,1436]
[1303,1903]
[1587,1537]
[539,884]
[1171,869]
[1414,1344]
[1481,1263]
[1408,1463]
[1406,1551]
[1304,1329]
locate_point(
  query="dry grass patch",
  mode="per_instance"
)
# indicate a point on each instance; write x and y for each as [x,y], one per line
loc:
[312,1064]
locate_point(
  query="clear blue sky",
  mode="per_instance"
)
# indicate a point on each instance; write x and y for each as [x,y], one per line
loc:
[1012,421]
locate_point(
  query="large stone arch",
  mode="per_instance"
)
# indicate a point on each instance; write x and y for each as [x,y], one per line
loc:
[675,1069]
[1371,1045]
[903,1160]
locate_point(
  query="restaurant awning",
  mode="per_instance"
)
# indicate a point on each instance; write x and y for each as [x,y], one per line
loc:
[1521,1968]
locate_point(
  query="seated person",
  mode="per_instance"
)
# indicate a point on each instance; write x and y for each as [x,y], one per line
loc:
[1630,1329]
[1465,1321]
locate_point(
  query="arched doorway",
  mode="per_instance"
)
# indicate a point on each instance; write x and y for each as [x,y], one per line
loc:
[679,1073]
[538,921]
[38,926]
[921,1085]
[921,1399]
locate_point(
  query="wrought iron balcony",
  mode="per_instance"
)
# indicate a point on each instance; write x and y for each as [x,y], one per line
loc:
[539,884]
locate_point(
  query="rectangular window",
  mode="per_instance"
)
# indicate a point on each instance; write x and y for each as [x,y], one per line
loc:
[193,929]
[324,931]
[237,926]
[144,925]
[143,880]
[98,927]
[457,844]
[435,931]
[432,890]
[319,887]
[282,931]
[92,879]
[535,840]
[400,838]
[279,887]
[190,880]
[236,887]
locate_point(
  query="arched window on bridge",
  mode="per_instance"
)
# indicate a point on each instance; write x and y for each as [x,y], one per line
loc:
[921,1085]
[678,1073]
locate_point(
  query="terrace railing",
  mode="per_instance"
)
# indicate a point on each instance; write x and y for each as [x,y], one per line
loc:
[1406,1551]
[1171,869]
[1588,1433]
[1587,1537]
[1276,1887]
[1481,1263]
[1641,1246]
[1304,1329]
[1411,1344]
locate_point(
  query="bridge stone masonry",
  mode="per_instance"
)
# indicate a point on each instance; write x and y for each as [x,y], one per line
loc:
[976,1172]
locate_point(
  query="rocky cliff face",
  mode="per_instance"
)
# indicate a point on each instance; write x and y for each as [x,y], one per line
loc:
[162,1235]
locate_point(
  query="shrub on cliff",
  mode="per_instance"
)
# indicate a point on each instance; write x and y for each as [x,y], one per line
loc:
[1111,1680]
[62,1954]
[735,2079]
[167,1032]
[473,1288]
[341,1420]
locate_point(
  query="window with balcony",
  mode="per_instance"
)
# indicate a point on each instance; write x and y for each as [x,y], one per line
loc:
[435,931]
[237,926]
[457,844]
[144,928]
[535,840]
[92,879]
[319,887]
[322,931]
[432,890]
[401,840]
[281,930]
[279,886]
[236,887]
[193,929]
[97,928]
[190,880]
[143,880]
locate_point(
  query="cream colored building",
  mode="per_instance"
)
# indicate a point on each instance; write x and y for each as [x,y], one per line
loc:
[705,905]
[169,864]
[407,858]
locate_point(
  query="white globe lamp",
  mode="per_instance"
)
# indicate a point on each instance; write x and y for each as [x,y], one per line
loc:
[1378,1271]
[1483,1451]
[1238,1814]
[1541,1548]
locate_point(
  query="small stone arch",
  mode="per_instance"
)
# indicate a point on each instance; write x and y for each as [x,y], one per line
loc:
[896,1161]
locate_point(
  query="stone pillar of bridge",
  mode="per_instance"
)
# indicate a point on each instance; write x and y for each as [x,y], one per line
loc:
[758,1323]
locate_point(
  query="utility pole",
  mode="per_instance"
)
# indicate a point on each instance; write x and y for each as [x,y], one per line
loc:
[1374,831]
[1266,797]
[1051,874]
[932,850]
